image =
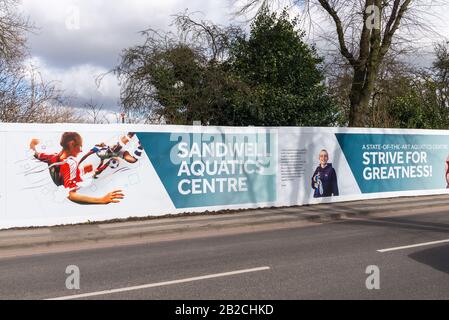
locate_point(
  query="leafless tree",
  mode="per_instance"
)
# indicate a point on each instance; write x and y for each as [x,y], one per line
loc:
[365,31]
[441,70]
[25,97]
[405,95]
[13,29]
[95,113]
[160,78]
[213,39]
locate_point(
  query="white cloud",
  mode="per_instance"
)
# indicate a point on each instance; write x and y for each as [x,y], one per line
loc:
[83,31]
[80,82]
[78,40]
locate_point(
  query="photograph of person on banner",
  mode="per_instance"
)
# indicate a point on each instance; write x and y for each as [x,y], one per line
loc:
[324,180]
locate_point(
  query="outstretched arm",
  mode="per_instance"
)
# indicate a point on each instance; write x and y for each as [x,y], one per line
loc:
[38,155]
[33,144]
[112,197]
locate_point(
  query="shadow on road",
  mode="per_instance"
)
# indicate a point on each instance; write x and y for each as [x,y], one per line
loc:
[436,258]
[402,223]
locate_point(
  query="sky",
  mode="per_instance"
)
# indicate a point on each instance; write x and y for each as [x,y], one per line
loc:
[78,40]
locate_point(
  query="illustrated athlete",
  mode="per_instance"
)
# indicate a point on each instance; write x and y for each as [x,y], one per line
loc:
[64,169]
[109,156]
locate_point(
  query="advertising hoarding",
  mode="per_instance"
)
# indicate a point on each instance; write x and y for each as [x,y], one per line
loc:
[62,174]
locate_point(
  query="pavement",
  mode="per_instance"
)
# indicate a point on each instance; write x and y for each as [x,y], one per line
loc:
[54,239]
[312,252]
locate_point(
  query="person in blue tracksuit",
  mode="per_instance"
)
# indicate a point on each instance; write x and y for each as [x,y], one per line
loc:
[324,180]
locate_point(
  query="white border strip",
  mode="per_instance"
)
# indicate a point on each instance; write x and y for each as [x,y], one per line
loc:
[160,284]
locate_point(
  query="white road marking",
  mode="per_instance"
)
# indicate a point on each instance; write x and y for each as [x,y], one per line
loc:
[413,246]
[160,284]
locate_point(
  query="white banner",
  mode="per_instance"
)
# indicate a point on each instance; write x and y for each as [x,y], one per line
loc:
[62,174]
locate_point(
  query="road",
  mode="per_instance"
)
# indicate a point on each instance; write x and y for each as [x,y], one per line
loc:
[314,261]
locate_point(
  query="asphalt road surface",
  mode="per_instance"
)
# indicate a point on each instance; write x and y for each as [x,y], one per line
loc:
[315,261]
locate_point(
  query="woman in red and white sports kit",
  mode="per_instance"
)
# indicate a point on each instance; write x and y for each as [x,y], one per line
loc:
[64,170]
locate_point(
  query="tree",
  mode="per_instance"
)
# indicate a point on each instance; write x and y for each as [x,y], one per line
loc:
[13,28]
[219,76]
[420,97]
[283,73]
[365,32]
[404,96]
[178,78]
[392,81]
[95,113]
[441,73]
[24,95]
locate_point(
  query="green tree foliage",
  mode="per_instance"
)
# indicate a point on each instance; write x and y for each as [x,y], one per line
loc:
[423,101]
[219,76]
[403,96]
[365,32]
[283,75]
[178,78]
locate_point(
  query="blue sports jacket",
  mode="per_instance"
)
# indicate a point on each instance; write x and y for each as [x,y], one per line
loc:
[328,178]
